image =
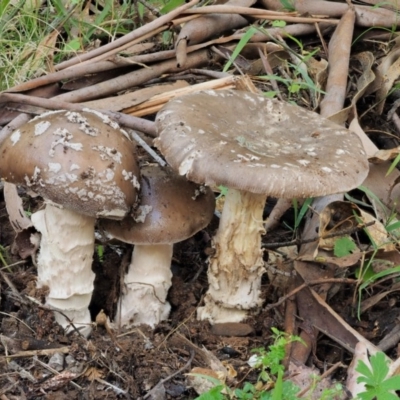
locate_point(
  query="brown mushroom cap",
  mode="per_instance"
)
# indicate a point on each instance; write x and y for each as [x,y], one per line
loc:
[80,160]
[172,209]
[248,142]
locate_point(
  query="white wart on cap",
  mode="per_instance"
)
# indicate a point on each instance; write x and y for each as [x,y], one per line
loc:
[256,147]
[80,160]
[249,142]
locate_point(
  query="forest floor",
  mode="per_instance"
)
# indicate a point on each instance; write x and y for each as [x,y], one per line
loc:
[38,361]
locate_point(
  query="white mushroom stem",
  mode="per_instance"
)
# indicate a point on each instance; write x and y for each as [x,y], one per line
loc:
[235,270]
[65,264]
[146,286]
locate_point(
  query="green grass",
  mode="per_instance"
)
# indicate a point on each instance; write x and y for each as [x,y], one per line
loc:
[34,38]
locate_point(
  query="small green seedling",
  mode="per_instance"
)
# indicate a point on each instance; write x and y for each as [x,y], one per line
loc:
[100,253]
[300,213]
[269,363]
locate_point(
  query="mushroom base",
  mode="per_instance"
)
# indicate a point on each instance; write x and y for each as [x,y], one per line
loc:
[146,286]
[64,264]
[235,271]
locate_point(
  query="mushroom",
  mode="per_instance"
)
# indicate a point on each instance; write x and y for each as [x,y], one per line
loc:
[85,167]
[256,147]
[171,210]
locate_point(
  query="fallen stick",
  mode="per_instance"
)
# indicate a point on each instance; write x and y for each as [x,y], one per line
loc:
[31,353]
[258,13]
[208,26]
[231,8]
[339,60]
[366,16]
[111,53]
[131,79]
[129,121]
[143,30]
[82,70]
[152,105]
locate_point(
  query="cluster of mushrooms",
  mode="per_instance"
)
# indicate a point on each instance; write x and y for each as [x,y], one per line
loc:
[85,168]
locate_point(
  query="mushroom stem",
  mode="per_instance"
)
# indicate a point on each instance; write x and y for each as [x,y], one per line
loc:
[235,270]
[65,264]
[146,286]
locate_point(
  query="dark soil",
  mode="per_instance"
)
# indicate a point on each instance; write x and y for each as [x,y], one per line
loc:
[113,364]
[124,364]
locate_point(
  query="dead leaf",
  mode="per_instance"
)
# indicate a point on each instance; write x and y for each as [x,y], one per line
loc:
[335,218]
[388,78]
[339,262]
[366,60]
[200,383]
[384,155]
[93,373]
[280,266]
[377,232]
[352,384]
[326,320]
[318,70]
[369,147]
[26,243]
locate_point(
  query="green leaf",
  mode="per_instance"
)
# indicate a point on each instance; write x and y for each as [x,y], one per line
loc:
[278,389]
[278,23]
[270,94]
[344,246]
[374,377]
[213,394]
[299,215]
[171,5]
[73,45]
[393,227]
[393,165]
[392,383]
[223,190]
[379,275]
[242,42]
[288,5]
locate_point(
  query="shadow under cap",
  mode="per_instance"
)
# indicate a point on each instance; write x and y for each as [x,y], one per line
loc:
[248,142]
[80,160]
[171,209]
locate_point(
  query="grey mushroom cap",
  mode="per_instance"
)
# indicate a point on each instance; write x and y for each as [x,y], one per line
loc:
[171,210]
[82,161]
[248,142]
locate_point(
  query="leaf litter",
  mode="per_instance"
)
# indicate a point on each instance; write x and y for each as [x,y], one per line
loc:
[329,281]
